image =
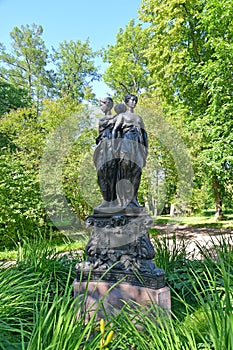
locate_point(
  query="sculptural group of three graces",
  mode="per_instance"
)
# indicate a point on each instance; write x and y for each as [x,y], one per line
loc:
[120,154]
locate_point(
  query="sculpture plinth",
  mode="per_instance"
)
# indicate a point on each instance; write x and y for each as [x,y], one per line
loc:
[120,250]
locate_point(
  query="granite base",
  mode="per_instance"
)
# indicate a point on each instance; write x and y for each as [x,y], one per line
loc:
[104,298]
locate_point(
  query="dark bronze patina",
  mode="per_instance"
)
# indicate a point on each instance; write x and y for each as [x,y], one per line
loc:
[119,247]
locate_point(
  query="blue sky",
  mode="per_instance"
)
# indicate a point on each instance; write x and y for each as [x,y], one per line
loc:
[99,20]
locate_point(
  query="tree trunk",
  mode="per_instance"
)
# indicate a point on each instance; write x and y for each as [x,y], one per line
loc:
[218,201]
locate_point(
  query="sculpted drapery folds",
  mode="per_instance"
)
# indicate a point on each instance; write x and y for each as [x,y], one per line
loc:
[120,153]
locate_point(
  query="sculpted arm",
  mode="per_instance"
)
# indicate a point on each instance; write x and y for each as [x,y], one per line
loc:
[117,125]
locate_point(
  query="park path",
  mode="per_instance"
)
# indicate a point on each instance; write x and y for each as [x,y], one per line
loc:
[195,236]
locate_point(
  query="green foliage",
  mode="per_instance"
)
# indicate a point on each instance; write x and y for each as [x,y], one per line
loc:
[169,252]
[22,211]
[12,97]
[41,284]
[127,71]
[189,59]
[20,201]
[43,153]
[38,310]
[79,175]
[64,170]
[25,66]
[75,69]
[168,175]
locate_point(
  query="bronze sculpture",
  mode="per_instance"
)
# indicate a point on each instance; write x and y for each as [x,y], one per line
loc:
[120,154]
[120,242]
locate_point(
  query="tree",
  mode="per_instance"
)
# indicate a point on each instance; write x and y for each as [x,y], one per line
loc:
[190,60]
[25,67]
[21,205]
[127,71]
[75,69]
[12,97]
[169,172]
[38,179]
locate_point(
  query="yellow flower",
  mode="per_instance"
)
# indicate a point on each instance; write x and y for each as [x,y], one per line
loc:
[102,326]
[109,338]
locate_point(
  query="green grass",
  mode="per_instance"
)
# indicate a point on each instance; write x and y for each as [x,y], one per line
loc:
[8,254]
[37,310]
[61,242]
[207,219]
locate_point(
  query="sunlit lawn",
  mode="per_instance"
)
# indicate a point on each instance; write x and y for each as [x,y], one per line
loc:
[207,219]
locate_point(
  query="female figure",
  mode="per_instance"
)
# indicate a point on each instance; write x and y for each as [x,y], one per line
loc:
[103,155]
[132,152]
[106,123]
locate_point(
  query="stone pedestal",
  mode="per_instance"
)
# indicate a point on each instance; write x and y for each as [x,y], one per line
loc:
[120,244]
[106,298]
[119,268]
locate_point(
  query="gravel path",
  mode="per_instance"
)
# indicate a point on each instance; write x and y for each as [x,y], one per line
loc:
[203,236]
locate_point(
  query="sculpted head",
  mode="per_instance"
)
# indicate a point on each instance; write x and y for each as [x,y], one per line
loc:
[106,104]
[120,108]
[130,97]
